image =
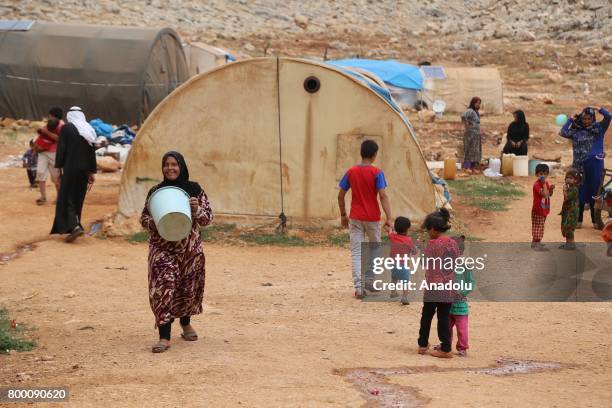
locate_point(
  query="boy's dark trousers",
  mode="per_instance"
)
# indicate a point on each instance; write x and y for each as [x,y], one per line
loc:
[32,177]
[442,309]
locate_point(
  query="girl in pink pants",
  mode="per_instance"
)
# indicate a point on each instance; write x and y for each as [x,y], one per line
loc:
[459,313]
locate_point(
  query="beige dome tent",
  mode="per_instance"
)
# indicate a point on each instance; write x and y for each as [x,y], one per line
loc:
[462,84]
[271,135]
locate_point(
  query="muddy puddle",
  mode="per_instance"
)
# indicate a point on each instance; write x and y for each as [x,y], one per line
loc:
[8,162]
[7,257]
[378,391]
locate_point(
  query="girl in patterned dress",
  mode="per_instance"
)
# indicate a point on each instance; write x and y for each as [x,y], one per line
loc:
[570,208]
[440,249]
[177,269]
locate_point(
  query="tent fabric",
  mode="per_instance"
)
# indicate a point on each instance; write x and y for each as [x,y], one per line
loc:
[381,91]
[273,146]
[203,57]
[392,72]
[463,83]
[118,74]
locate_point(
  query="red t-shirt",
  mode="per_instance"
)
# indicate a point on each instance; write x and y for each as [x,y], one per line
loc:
[46,143]
[541,204]
[400,245]
[364,181]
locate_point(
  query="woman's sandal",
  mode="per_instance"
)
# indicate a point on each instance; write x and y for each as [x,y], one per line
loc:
[160,347]
[189,335]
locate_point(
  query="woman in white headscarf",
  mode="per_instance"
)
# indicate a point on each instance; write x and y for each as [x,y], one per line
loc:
[76,160]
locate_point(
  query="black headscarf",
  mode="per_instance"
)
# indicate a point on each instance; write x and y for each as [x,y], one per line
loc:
[182,181]
[519,128]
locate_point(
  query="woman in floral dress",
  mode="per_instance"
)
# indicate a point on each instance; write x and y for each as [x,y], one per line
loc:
[472,145]
[177,269]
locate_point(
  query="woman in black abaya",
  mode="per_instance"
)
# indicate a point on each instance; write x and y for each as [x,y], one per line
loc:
[518,135]
[77,160]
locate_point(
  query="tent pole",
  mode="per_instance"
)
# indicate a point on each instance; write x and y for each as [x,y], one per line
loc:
[282,217]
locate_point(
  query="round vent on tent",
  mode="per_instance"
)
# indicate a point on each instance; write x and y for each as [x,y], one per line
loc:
[312,84]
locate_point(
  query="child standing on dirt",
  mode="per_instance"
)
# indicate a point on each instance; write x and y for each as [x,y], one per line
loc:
[367,184]
[29,162]
[542,191]
[569,211]
[441,253]
[458,316]
[459,309]
[401,244]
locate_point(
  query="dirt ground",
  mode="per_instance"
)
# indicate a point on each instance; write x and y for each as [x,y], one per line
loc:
[293,343]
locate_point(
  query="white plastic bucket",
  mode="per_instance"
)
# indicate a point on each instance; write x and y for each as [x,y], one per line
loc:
[171,212]
[495,165]
[520,166]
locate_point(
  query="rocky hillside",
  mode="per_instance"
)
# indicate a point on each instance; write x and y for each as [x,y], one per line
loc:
[239,21]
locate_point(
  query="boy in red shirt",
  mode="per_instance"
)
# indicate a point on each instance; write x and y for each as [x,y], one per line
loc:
[542,191]
[367,184]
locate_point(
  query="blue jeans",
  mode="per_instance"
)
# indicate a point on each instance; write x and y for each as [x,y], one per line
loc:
[402,274]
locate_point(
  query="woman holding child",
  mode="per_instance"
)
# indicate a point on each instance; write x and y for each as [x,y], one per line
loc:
[76,159]
[177,269]
[587,138]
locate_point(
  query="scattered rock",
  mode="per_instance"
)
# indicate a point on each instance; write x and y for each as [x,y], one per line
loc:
[70,294]
[502,31]
[525,35]
[75,366]
[47,358]
[266,284]
[23,377]
[338,45]
[301,21]
[555,77]
[249,47]
[107,164]
[427,116]
[595,4]
[7,122]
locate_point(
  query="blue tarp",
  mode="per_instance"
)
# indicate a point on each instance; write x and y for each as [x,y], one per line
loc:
[391,72]
[101,128]
[122,134]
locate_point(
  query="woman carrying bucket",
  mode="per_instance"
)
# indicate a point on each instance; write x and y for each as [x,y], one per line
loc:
[176,268]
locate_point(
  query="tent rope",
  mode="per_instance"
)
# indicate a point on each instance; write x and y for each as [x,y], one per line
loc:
[282,217]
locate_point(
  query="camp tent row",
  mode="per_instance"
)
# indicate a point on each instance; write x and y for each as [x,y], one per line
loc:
[267,136]
[456,86]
